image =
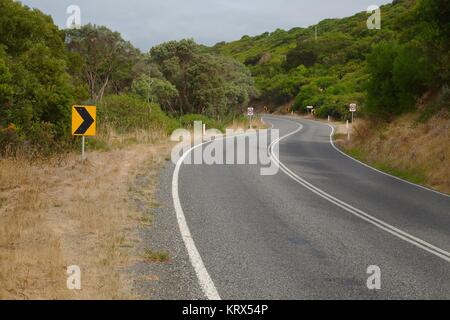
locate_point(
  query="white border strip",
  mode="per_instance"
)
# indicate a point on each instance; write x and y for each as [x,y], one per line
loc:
[365,164]
[358,213]
[205,281]
[379,171]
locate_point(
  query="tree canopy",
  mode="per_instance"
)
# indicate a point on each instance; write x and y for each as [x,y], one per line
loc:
[191,80]
[384,71]
[36,88]
[109,59]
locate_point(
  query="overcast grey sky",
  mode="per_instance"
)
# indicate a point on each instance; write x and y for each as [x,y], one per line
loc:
[149,22]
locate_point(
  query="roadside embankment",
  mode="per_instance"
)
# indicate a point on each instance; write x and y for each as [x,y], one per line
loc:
[415,150]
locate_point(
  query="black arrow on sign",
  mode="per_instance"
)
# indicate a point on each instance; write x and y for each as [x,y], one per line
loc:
[87,120]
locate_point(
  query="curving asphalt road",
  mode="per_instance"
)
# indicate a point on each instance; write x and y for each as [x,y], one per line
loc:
[312,230]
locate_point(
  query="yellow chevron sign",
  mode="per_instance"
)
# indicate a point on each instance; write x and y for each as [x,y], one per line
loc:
[84,120]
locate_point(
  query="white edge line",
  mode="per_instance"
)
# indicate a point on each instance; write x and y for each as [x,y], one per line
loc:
[205,281]
[359,213]
[370,167]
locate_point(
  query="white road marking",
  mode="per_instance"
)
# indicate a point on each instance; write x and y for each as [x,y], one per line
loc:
[379,171]
[206,283]
[358,213]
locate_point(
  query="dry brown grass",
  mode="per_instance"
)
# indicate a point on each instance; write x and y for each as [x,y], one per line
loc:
[108,136]
[409,146]
[60,212]
[257,123]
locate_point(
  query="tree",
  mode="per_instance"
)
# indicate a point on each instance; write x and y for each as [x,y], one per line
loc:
[435,35]
[109,59]
[36,91]
[206,83]
[156,90]
[6,89]
[398,76]
[305,54]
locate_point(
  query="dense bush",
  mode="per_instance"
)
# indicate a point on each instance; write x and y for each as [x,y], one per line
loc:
[201,82]
[187,121]
[398,76]
[156,90]
[110,61]
[386,69]
[36,91]
[44,71]
[295,58]
[433,32]
[126,113]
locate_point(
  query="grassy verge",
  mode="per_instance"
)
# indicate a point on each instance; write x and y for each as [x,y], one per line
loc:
[60,213]
[414,176]
[56,211]
[416,152]
[151,255]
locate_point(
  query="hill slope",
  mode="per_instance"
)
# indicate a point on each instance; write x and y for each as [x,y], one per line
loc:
[284,62]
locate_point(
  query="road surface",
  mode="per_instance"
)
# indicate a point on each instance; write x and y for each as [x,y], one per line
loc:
[312,230]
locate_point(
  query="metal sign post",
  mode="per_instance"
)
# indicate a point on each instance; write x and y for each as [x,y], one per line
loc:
[83,143]
[250,113]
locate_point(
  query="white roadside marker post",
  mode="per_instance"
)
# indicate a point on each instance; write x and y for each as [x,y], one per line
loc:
[250,113]
[348,131]
[353,108]
[204,132]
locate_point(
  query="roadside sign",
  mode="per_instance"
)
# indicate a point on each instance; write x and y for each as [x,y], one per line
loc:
[309,107]
[250,112]
[84,120]
[353,107]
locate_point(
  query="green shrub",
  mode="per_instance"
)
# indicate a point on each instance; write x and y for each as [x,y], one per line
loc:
[398,75]
[36,90]
[187,121]
[126,113]
[442,101]
[9,139]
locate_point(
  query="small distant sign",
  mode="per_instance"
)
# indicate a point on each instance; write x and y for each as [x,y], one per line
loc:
[309,107]
[250,112]
[353,107]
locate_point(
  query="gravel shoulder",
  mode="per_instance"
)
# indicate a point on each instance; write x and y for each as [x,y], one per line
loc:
[175,278]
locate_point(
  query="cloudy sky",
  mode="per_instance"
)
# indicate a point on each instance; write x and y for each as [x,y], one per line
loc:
[149,22]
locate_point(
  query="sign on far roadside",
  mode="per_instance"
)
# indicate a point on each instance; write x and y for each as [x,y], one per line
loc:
[84,123]
[353,107]
[250,112]
[84,120]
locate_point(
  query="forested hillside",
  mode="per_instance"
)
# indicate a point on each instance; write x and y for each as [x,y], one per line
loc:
[44,71]
[384,71]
